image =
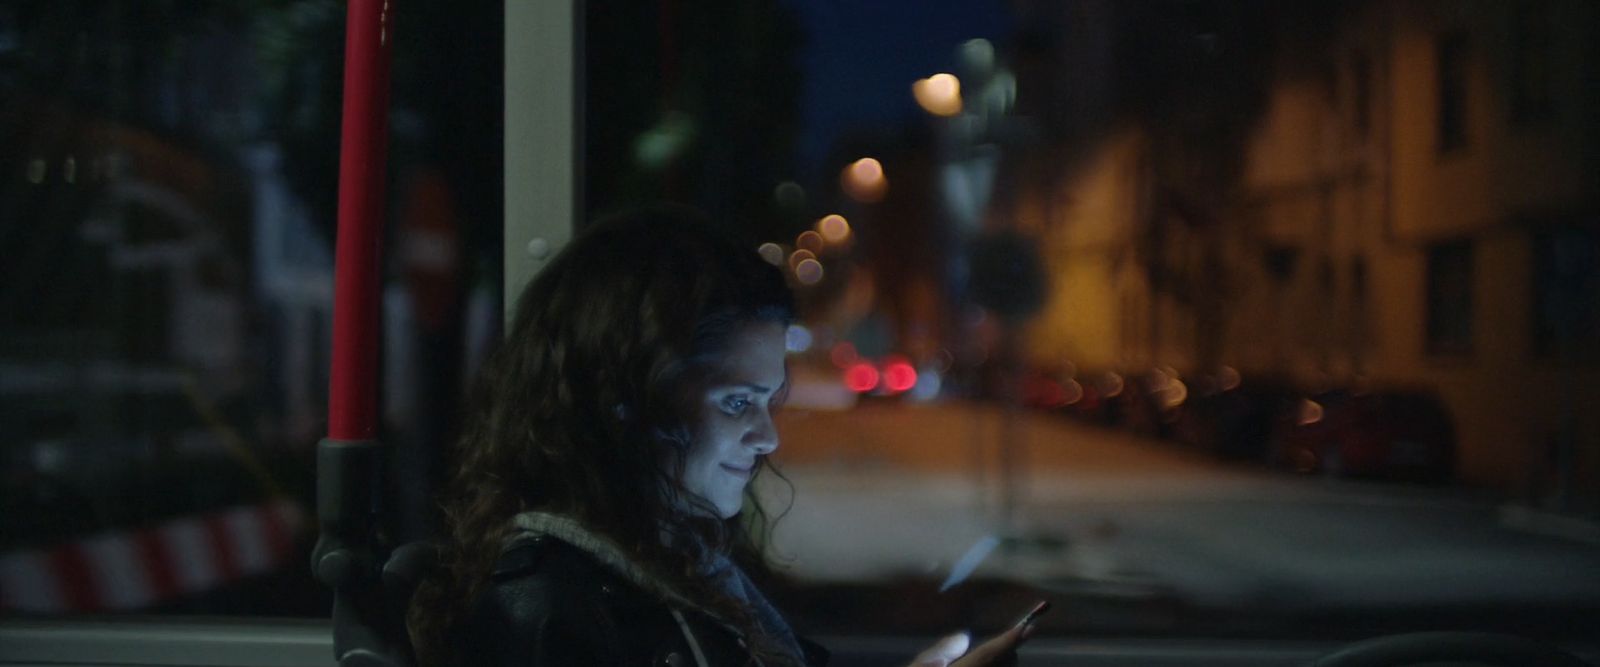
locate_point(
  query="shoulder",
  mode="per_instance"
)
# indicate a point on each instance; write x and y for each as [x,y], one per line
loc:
[538,577]
[540,561]
[548,602]
[544,604]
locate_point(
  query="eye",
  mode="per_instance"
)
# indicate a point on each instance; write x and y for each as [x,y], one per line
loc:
[735,405]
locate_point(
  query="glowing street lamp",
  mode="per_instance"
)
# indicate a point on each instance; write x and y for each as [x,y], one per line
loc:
[834,228]
[864,181]
[939,94]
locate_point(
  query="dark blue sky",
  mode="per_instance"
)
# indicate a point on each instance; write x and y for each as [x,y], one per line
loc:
[860,57]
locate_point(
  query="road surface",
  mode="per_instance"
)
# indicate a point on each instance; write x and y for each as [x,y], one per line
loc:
[901,492]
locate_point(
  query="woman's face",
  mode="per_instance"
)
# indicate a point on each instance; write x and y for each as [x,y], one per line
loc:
[732,415]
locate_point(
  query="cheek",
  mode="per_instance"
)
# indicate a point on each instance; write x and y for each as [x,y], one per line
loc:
[703,439]
[680,453]
[716,439]
[709,437]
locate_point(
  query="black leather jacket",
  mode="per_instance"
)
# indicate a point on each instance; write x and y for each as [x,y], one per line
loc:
[550,603]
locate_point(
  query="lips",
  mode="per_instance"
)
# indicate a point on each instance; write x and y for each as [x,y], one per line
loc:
[744,471]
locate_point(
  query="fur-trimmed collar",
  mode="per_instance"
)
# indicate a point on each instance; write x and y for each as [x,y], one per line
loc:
[603,549]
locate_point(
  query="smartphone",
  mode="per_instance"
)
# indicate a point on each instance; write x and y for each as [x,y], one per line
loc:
[1034,614]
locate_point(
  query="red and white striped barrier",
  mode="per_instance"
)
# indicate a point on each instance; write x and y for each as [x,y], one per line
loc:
[130,570]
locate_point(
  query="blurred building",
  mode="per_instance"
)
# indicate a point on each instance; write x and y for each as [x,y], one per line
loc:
[1428,185]
[1417,206]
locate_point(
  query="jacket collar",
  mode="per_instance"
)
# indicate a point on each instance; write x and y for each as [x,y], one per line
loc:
[603,550]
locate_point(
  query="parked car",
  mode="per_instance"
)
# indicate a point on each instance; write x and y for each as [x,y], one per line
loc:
[1235,422]
[1095,398]
[1152,401]
[1394,435]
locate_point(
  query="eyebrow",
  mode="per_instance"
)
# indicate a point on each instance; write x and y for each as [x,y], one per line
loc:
[756,388]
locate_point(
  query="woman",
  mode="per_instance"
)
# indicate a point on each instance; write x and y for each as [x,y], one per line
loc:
[595,516]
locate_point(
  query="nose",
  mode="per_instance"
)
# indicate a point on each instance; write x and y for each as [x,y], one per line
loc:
[762,437]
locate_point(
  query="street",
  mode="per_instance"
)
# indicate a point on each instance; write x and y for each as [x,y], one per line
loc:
[900,493]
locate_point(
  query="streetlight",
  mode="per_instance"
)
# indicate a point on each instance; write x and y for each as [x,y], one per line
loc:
[939,94]
[833,228]
[863,180]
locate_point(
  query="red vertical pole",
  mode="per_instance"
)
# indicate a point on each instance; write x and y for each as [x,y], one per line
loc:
[349,555]
[363,152]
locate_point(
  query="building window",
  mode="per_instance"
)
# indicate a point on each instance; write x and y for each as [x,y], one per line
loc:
[1531,37]
[1450,298]
[1328,80]
[1452,79]
[1359,334]
[1361,95]
[1566,291]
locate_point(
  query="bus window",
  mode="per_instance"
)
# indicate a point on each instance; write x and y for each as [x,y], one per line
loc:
[170,177]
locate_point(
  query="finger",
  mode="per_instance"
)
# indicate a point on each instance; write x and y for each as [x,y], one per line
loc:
[944,651]
[975,659]
[1010,638]
[998,650]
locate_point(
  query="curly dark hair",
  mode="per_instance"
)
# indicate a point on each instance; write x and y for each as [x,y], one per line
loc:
[579,407]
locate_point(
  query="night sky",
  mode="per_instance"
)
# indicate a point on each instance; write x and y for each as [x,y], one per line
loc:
[860,58]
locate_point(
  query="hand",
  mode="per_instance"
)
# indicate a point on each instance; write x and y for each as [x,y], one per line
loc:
[943,652]
[952,651]
[999,650]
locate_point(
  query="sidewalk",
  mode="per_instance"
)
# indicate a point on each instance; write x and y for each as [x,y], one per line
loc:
[1517,516]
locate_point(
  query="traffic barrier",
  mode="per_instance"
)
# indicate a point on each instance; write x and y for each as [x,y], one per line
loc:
[135,569]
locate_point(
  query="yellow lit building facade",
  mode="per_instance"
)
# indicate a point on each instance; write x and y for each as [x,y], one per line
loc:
[1419,208]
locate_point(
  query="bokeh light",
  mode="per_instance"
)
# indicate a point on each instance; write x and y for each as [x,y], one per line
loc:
[898,375]
[1072,392]
[1310,412]
[1111,385]
[790,195]
[928,384]
[809,240]
[772,253]
[867,170]
[800,255]
[864,180]
[1228,378]
[861,377]
[939,94]
[834,228]
[1174,394]
[808,271]
[797,338]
